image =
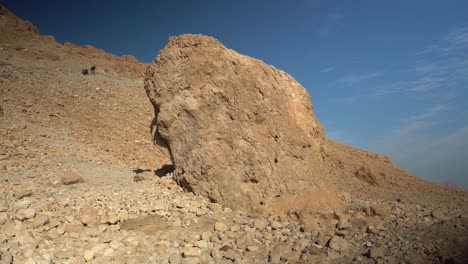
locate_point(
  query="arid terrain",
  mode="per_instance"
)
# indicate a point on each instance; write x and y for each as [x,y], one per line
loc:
[82,182]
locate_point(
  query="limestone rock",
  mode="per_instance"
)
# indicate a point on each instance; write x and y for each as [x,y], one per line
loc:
[192,252]
[71,177]
[23,193]
[40,220]
[239,131]
[376,252]
[437,214]
[221,227]
[380,209]
[339,244]
[260,224]
[88,255]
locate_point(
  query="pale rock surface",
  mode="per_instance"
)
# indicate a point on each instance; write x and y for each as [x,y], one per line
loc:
[239,131]
[71,177]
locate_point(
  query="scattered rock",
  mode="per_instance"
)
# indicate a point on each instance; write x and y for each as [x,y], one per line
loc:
[144,176]
[192,252]
[3,218]
[339,244]
[89,219]
[260,224]
[23,214]
[220,227]
[19,194]
[71,177]
[437,214]
[214,207]
[343,224]
[40,220]
[380,210]
[376,252]
[253,248]
[88,254]
[368,175]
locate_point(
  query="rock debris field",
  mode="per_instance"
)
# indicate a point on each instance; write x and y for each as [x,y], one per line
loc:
[81,180]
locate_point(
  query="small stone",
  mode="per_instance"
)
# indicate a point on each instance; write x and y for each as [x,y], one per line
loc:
[214,207]
[220,227]
[205,236]
[380,210]
[61,230]
[89,219]
[311,226]
[276,225]
[108,252]
[29,213]
[23,203]
[7,258]
[54,223]
[74,228]
[160,249]
[376,252]
[71,177]
[195,204]
[339,244]
[144,176]
[21,214]
[112,219]
[98,248]
[175,257]
[115,244]
[192,252]
[3,218]
[343,224]
[314,249]
[260,224]
[88,255]
[40,220]
[253,248]
[53,233]
[23,193]
[231,255]
[74,235]
[25,237]
[437,214]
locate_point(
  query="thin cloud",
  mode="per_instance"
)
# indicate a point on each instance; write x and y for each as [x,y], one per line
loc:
[439,69]
[335,18]
[332,21]
[327,70]
[429,114]
[354,78]
[457,39]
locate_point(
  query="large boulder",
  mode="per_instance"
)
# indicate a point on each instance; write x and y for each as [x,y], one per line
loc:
[239,131]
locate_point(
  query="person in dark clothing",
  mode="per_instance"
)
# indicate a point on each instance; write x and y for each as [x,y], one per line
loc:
[84,71]
[93,70]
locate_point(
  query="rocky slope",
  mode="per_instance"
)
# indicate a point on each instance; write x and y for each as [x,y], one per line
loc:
[73,145]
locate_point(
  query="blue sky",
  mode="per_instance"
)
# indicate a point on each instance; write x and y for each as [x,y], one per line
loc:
[387,76]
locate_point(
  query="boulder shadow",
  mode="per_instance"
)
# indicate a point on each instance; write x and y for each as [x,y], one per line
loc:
[164,170]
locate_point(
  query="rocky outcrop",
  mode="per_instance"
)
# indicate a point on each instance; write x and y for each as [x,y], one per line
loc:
[240,131]
[9,20]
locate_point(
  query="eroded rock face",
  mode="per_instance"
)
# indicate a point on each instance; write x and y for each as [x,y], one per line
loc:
[239,131]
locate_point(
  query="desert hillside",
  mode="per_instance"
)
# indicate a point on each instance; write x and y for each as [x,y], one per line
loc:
[82,182]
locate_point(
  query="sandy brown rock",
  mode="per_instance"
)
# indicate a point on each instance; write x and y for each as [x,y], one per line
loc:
[240,132]
[71,177]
